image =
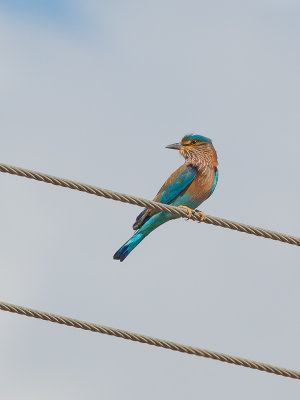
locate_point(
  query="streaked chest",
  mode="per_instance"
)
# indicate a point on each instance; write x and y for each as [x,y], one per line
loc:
[203,184]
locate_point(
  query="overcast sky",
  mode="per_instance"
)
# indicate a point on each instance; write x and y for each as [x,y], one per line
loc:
[94,91]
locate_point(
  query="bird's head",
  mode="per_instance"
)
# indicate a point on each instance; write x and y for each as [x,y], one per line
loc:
[195,147]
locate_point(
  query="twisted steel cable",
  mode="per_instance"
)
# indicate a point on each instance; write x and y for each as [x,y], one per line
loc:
[125,198]
[75,323]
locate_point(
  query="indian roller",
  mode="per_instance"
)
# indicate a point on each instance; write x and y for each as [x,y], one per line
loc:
[187,187]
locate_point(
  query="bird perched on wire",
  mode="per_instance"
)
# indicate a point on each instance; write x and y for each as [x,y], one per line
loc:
[187,187]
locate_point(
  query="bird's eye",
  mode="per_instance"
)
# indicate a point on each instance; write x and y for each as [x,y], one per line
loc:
[194,141]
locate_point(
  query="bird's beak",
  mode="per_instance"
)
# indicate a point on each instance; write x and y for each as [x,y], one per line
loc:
[175,146]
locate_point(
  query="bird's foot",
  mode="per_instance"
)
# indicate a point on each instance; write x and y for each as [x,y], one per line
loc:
[191,212]
[203,215]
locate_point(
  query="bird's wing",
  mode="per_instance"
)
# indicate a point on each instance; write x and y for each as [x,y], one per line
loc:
[174,185]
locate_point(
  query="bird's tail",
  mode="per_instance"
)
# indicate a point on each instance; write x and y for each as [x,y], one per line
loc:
[148,226]
[127,248]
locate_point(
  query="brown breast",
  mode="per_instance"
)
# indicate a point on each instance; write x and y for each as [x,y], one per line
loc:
[202,185]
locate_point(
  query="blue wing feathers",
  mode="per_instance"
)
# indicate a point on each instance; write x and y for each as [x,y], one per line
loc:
[170,193]
[141,214]
[180,183]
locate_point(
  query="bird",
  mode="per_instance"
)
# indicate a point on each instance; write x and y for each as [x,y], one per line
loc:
[190,185]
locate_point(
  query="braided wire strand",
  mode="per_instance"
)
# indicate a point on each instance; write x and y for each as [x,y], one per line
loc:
[75,323]
[125,198]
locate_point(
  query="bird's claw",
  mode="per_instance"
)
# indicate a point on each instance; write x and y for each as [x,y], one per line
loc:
[203,215]
[191,212]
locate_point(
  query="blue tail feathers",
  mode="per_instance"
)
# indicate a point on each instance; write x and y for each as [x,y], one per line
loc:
[127,248]
[148,226]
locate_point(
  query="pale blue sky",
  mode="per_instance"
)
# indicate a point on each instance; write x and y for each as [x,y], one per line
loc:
[94,91]
[36,11]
